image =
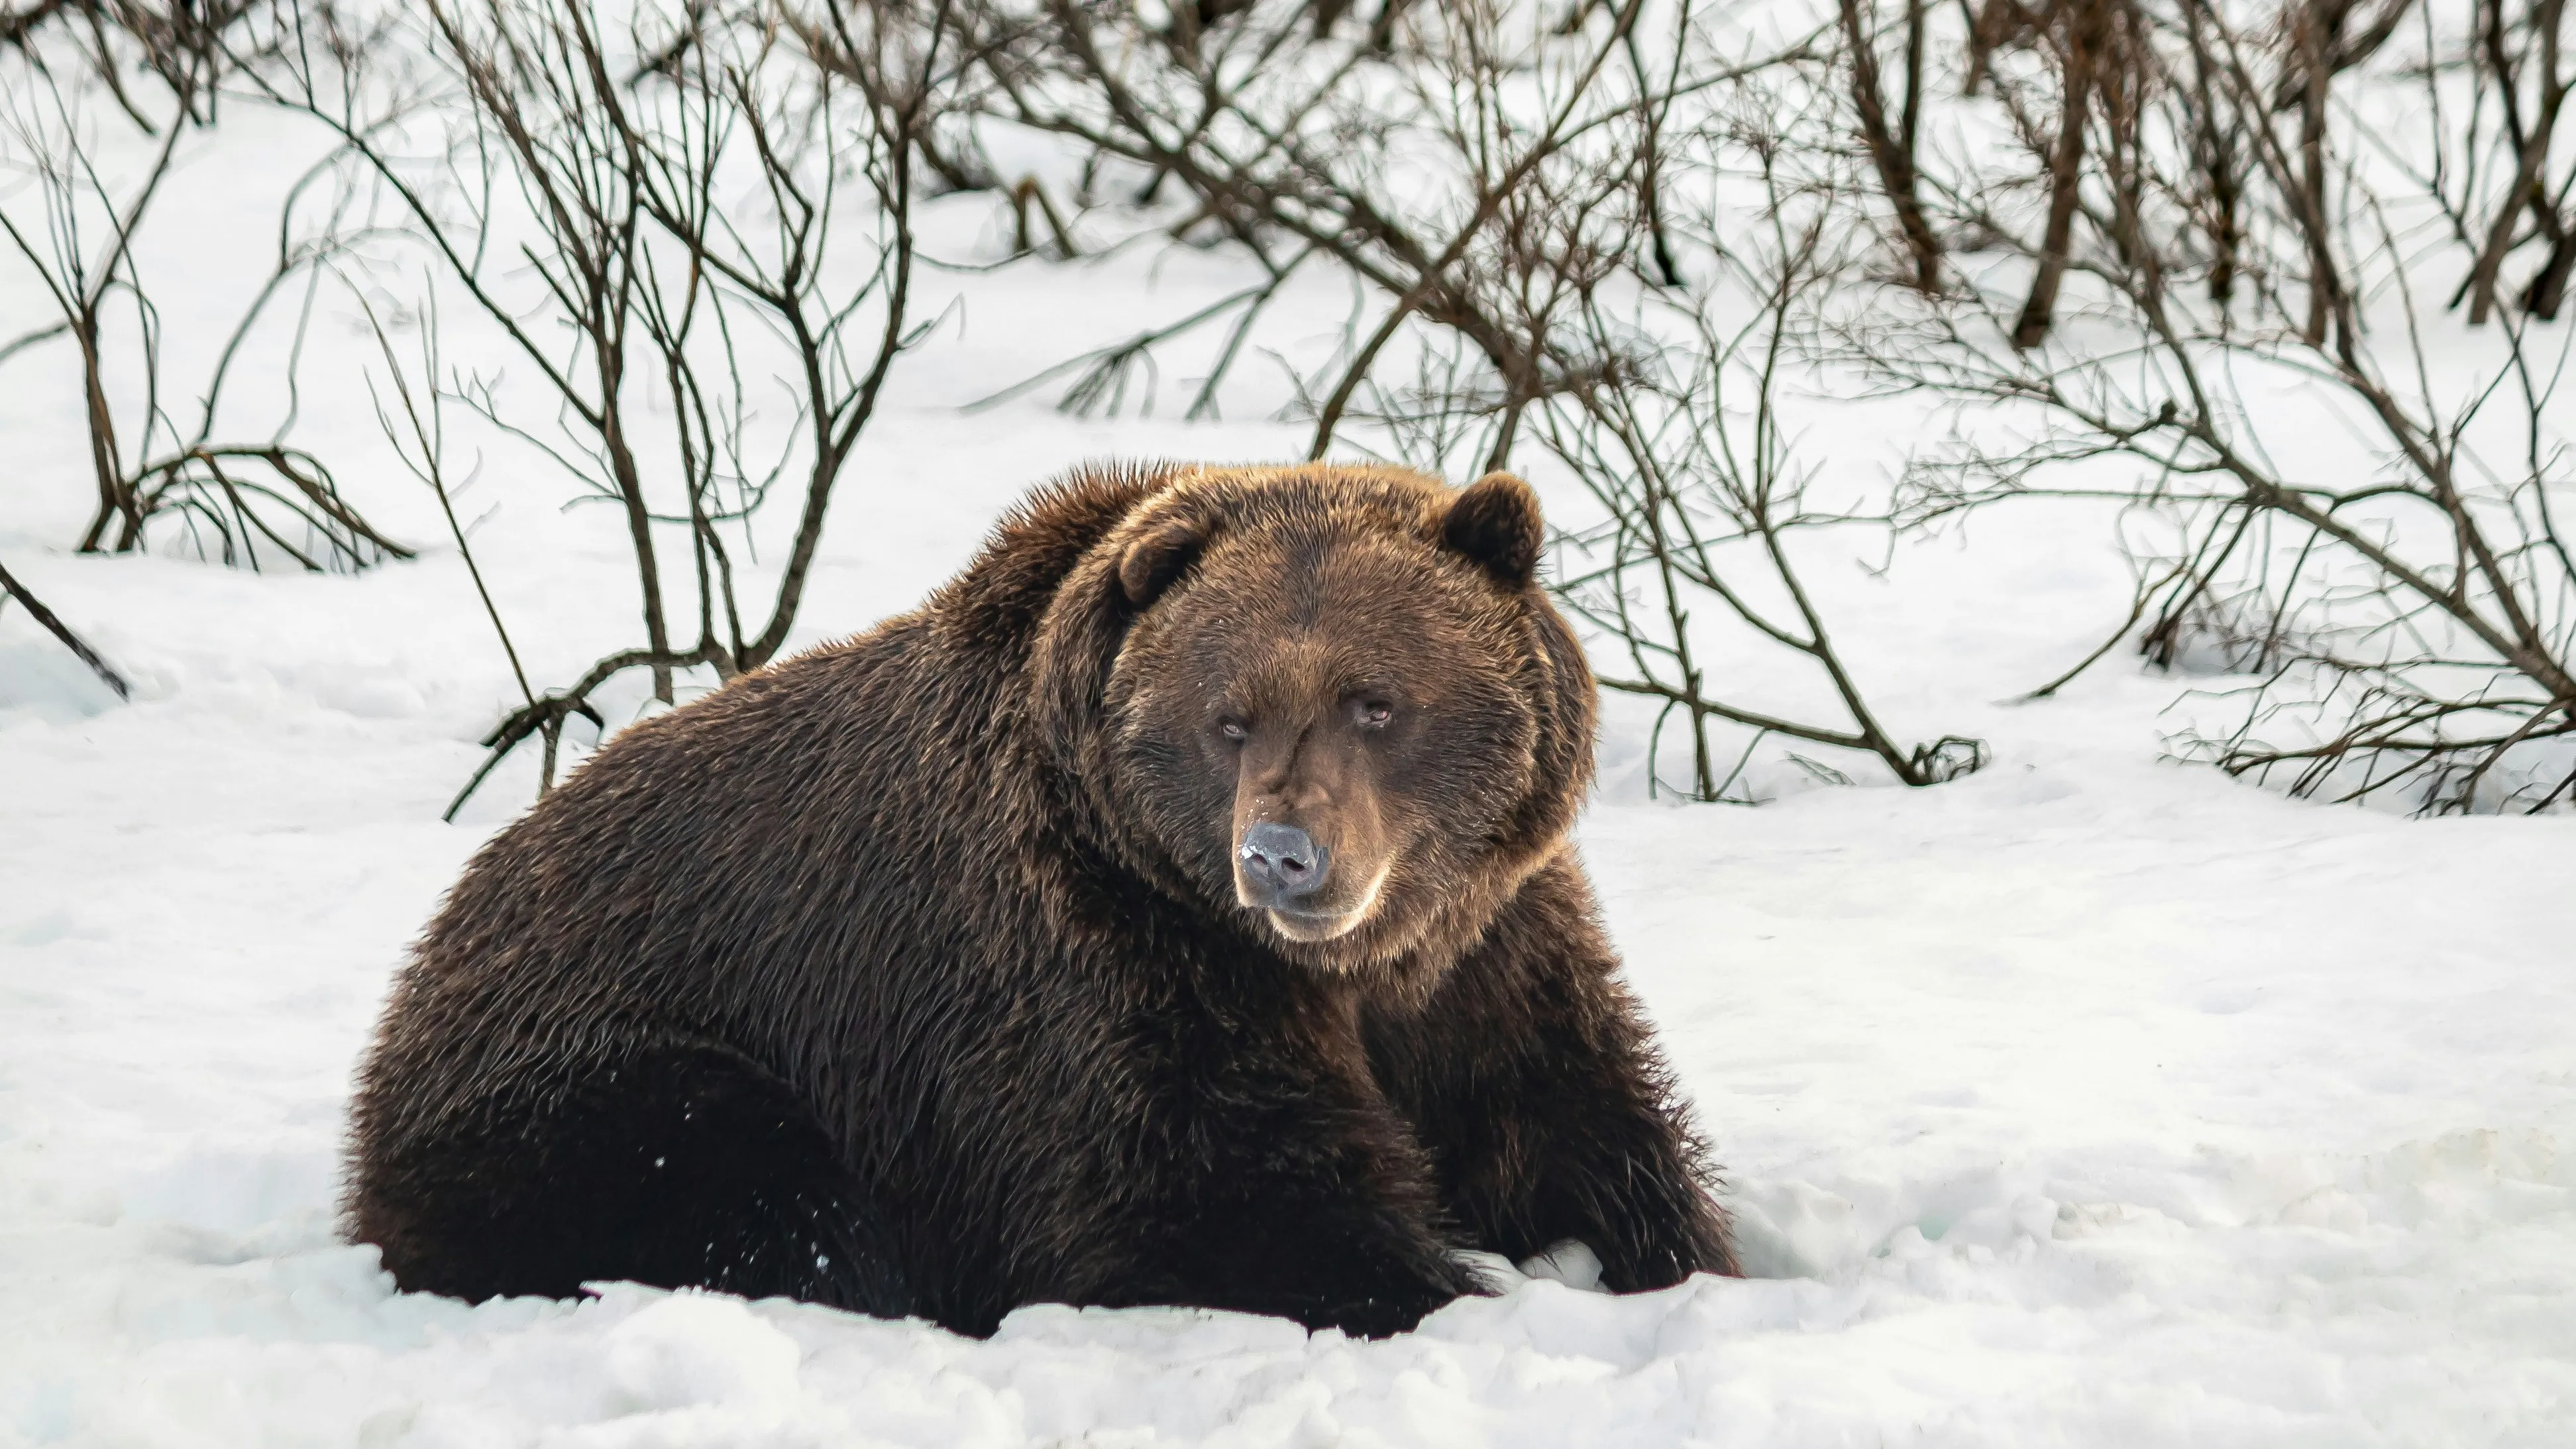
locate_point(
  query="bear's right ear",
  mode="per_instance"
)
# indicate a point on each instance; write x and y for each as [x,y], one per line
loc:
[1151,563]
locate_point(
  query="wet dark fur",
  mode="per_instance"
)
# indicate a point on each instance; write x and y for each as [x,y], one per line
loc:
[883,978]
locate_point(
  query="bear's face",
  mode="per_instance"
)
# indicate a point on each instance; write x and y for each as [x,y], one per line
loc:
[1343,711]
[1320,730]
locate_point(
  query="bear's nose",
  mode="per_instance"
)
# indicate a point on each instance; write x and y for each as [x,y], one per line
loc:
[1282,863]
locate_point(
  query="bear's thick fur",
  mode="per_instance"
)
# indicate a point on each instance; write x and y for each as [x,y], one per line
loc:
[1176,909]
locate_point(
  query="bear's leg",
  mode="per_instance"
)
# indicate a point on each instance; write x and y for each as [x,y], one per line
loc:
[1312,1202]
[1326,1262]
[683,1165]
[1536,1087]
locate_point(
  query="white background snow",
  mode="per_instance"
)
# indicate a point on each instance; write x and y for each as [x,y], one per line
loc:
[2092,1100]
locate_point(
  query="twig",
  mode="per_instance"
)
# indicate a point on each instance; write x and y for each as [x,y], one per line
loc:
[44,617]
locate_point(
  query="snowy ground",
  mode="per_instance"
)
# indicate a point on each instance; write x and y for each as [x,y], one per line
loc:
[2093,1100]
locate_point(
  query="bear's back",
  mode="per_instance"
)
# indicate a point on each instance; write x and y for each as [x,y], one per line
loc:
[758,867]
[762,862]
[820,867]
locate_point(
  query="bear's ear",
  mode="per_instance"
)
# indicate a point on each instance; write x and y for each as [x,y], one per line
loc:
[1495,523]
[1151,563]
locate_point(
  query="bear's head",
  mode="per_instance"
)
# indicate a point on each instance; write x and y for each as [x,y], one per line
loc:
[1330,702]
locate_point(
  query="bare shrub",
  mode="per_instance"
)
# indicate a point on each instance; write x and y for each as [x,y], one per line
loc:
[710,201]
[2247,265]
[1478,186]
[94,109]
[1684,448]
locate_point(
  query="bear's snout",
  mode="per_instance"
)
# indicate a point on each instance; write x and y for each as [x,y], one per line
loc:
[1280,867]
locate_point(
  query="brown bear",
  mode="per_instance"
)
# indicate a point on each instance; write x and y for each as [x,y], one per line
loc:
[1176,909]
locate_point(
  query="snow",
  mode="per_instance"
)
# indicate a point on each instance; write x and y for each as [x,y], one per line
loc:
[2091,1100]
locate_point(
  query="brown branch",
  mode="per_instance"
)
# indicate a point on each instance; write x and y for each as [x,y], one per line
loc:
[10,588]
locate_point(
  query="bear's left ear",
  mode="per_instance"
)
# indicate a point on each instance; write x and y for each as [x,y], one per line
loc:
[1495,523]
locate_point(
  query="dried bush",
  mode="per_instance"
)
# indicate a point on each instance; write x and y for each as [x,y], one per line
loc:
[1684,448]
[96,101]
[2259,243]
[717,199]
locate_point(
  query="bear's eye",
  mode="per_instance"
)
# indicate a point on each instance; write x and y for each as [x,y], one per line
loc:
[1233,729]
[1371,714]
